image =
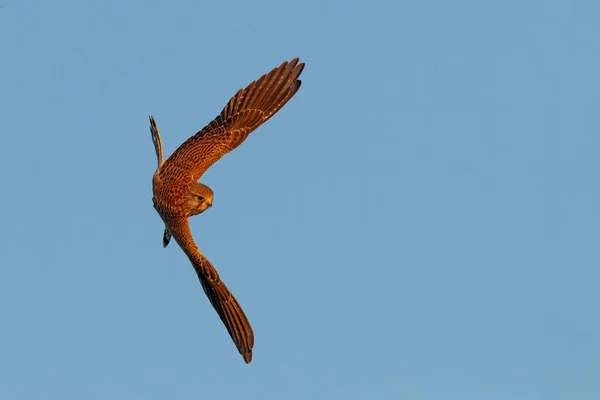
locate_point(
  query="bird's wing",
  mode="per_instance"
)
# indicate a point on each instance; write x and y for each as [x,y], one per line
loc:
[245,112]
[220,297]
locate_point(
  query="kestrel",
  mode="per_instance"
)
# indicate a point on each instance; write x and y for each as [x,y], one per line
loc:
[177,194]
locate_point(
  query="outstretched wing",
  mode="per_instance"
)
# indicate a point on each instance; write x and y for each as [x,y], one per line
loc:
[220,297]
[245,112]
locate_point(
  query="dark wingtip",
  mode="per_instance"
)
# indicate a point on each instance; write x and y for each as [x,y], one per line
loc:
[247,357]
[299,68]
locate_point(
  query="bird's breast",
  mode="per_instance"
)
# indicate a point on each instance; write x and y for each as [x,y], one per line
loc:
[168,198]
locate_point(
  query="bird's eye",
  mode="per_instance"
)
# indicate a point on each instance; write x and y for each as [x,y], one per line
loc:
[200,198]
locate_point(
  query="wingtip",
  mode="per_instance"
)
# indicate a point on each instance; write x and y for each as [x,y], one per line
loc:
[247,357]
[296,63]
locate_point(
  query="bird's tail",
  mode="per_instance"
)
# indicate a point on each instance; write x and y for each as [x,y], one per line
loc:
[231,314]
[157,141]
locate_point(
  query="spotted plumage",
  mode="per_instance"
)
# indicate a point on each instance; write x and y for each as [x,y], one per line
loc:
[178,194]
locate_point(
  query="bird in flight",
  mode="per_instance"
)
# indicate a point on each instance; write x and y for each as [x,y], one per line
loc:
[177,194]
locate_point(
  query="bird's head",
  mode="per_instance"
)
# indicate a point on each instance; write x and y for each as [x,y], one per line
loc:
[199,198]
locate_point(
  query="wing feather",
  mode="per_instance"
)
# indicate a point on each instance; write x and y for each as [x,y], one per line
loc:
[245,111]
[225,304]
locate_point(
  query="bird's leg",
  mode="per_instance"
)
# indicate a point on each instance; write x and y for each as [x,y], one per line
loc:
[166,237]
[157,141]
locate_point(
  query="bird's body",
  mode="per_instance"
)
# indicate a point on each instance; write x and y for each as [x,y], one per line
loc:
[177,194]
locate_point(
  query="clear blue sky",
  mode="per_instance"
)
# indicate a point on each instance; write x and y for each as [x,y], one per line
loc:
[421,221]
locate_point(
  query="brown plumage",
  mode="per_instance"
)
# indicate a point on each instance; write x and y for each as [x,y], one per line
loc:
[178,194]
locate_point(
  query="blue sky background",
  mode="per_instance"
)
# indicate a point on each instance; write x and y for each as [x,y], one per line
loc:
[420,222]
